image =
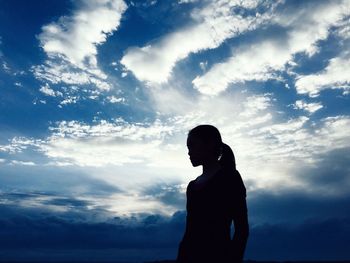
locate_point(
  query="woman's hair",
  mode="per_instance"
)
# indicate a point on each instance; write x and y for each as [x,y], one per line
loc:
[210,134]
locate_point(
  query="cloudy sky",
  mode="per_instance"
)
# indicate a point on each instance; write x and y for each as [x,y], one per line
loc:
[97,97]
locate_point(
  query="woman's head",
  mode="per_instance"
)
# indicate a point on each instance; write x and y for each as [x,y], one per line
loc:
[205,145]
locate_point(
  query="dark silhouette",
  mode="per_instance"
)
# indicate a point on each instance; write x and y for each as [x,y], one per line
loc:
[214,200]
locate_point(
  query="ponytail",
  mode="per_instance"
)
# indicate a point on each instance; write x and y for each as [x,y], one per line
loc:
[227,158]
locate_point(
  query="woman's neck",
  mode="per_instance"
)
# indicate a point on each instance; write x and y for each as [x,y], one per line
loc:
[210,168]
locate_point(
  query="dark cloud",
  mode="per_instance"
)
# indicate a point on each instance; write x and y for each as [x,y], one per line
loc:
[67,202]
[156,237]
[294,207]
[23,229]
[312,240]
[37,205]
[17,196]
[43,199]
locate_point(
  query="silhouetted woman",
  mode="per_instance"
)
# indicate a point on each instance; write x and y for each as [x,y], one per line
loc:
[214,199]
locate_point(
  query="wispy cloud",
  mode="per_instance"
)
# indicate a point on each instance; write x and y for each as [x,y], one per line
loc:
[26,163]
[71,43]
[262,60]
[335,76]
[211,26]
[50,92]
[76,37]
[19,144]
[114,99]
[122,142]
[309,107]
[259,137]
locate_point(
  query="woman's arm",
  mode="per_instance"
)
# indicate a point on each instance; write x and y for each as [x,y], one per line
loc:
[240,219]
[240,237]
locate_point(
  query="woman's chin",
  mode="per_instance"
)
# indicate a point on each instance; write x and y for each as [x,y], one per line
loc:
[195,164]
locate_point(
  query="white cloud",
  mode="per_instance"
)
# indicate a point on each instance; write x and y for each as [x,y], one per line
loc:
[171,100]
[26,163]
[50,92]
[255,104]
[261,61]
[262,139]
[69,100]
[105,143]
[344,30]
[261,143]
[132,203]
[240,68]
[61,72]
[251,126]
[76,37]
[97,152]
[213,24]
[71,43]
[119,128]
[335,76]
[187,1]
[36,101]
[19,144]
[114,99]
[310,107]
[125,153]
[144,152]
[336,129]
[6,67]
[203,65]
[293,140]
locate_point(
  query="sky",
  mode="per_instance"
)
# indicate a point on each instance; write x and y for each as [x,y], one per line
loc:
[97,98]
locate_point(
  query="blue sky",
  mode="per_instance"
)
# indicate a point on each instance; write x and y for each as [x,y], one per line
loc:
[97,97]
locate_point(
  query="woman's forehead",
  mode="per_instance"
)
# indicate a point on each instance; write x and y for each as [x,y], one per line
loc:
[193,140]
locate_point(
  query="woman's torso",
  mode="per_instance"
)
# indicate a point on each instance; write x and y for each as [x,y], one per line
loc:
[210,208]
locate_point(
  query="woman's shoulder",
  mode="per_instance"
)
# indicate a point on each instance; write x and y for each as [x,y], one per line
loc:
[190,185]
[194,184]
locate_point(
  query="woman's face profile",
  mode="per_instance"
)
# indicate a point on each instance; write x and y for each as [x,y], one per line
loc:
[197,150]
